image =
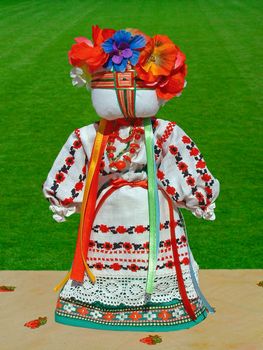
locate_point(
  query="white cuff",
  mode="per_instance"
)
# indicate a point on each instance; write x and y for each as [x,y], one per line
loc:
[60,213]
[207,214]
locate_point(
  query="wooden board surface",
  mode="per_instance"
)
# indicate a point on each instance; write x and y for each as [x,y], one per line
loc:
[237,323]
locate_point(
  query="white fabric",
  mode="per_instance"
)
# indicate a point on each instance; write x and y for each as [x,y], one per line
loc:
[146,103]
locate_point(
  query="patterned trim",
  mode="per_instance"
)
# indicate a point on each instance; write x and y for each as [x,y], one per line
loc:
[68,163]
[189,179]
[134,267]
[104,80]
[147,315]
[201,168]
[159,142]
[139,229]
[129,247]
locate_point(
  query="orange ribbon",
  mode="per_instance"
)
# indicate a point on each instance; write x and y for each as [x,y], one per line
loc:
[88,206]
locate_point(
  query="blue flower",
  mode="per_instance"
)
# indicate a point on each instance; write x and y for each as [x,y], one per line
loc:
[123,48]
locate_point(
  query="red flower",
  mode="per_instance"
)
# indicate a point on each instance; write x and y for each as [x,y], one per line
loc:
[194,152]
[170,190]
[133,267]
[84,53]
[60,177]
[121,229]
[182,166]
[167,243]
[169,264]
[139,229]
[98,266]
[67,201]
[69,160]
[79,186]
[206,177]
[135,315]
[199,196]
[107,245]
[186,139]
[146,245]
[183,239]
[115,266]
[160,174]
[91,243]
[200,164]
[108,316]
[190,181]
[173,149]
[77,144]
[157,58]
[193,306]
[92,57]
[170,86]
[104,228]
[208,190]
[164,315]
[127,245]
[36,323]
[100,35]
[32,324]
[82,310]
[59,304]
[151,340]
[185,261]
[148,340]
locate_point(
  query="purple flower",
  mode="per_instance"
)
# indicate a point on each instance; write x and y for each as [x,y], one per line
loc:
[123,48]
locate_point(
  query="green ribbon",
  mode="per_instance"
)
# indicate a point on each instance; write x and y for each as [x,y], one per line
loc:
[153,205]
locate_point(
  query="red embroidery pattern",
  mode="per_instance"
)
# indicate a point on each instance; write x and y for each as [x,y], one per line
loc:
[166,184]
[139,229]
[63,171]
[131,247]
[202,170]
[183,167]
[159,143]
[100,259]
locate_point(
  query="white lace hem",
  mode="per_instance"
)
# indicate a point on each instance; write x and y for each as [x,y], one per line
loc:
[111,290]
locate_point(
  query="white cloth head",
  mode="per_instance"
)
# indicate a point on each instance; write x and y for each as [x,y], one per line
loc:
[106,103]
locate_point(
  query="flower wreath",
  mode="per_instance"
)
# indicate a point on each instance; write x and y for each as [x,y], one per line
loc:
[157,61]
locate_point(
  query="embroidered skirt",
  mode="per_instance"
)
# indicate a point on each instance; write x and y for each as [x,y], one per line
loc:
[118,257]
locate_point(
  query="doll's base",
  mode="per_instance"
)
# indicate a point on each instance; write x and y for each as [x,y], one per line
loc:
[151,318]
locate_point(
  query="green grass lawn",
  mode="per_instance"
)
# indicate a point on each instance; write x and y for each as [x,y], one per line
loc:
[220,109]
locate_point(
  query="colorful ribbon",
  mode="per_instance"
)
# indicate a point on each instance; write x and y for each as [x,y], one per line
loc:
[181,286]
[195,283]
[88,207]
[153,204]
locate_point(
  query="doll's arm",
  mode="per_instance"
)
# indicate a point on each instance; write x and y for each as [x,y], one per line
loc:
[184,175]
[66,179]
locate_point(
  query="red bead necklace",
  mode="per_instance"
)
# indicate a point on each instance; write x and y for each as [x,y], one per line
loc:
[131,141]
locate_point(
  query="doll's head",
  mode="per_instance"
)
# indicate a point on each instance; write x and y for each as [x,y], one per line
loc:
[129,74]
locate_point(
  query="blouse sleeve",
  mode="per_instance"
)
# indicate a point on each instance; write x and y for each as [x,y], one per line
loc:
[66,180]
[184,175]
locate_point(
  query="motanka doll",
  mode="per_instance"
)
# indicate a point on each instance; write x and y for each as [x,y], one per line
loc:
[128,175]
